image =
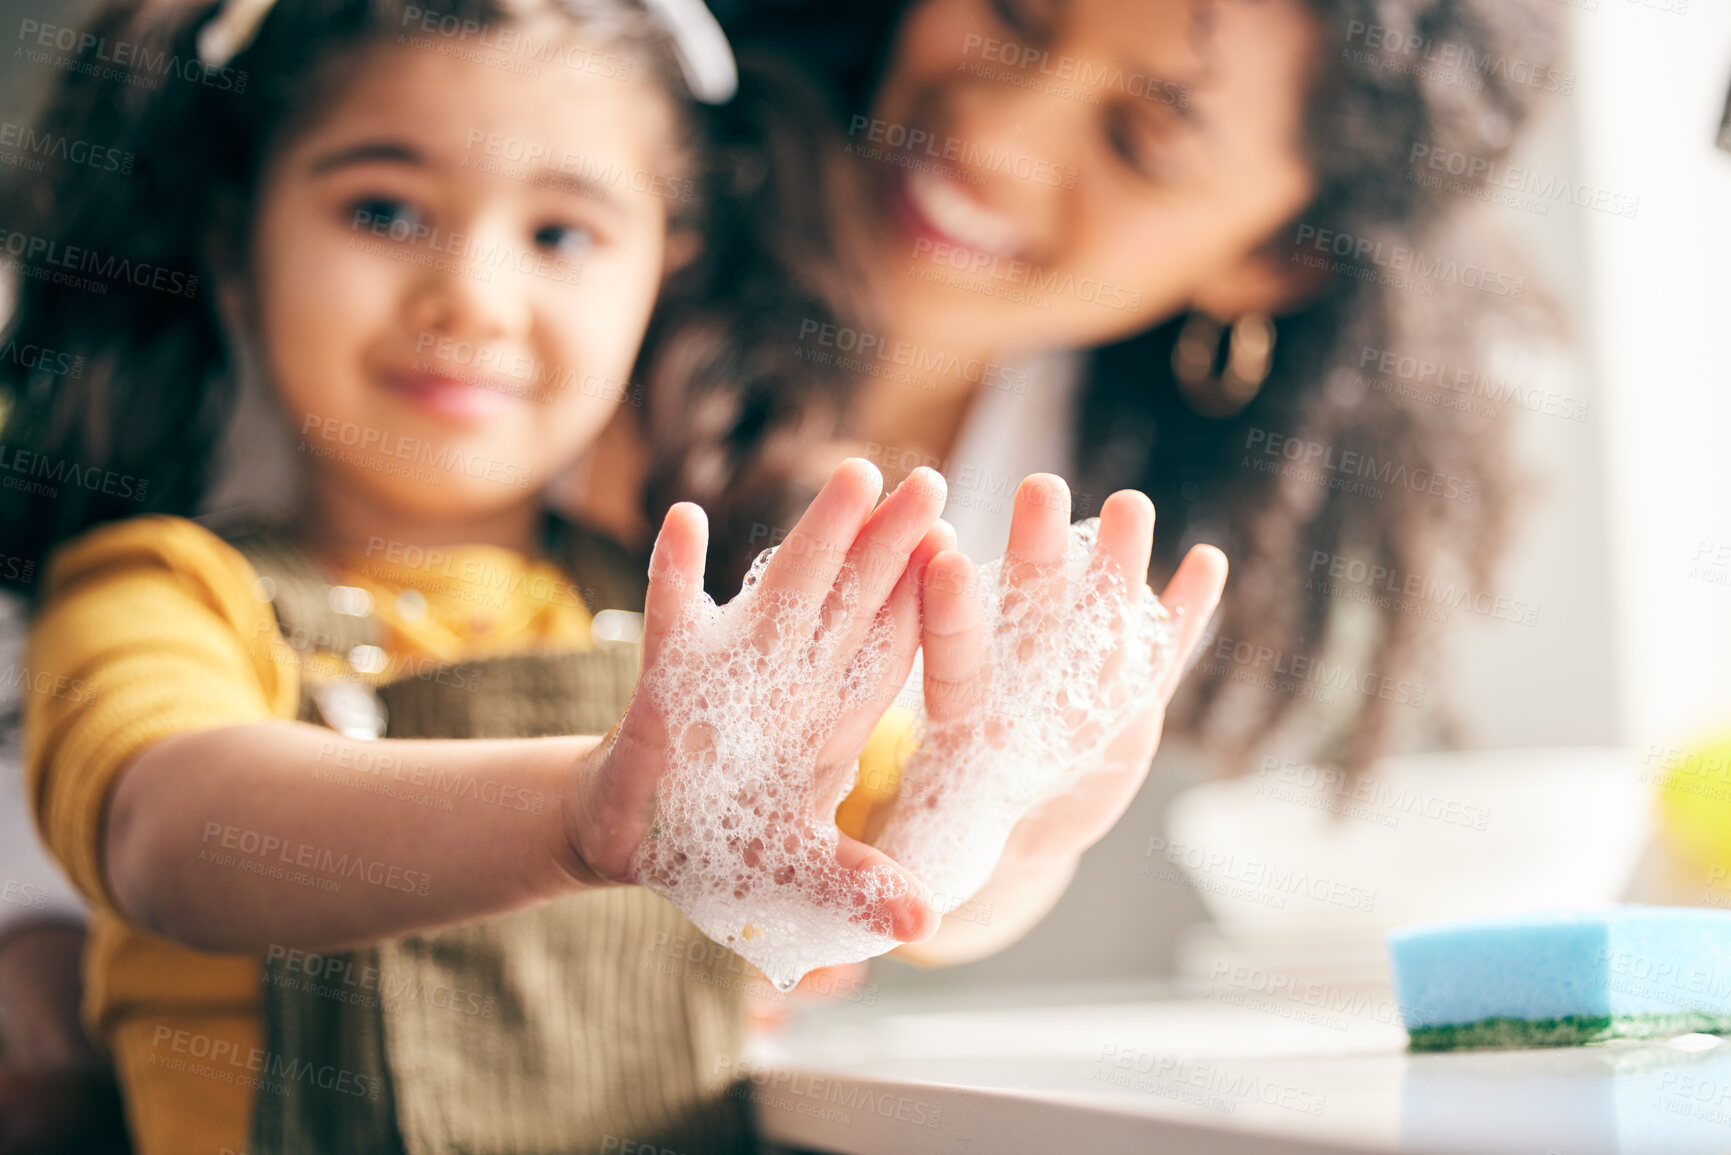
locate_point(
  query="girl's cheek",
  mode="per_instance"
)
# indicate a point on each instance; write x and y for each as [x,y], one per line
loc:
[308,265]
[352,267]
[322,302]
[598,324]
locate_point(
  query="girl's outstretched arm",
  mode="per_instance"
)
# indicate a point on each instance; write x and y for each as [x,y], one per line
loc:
[232,839]
[228,840]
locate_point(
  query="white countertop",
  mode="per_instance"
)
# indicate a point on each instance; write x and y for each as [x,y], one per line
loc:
[1212,1077]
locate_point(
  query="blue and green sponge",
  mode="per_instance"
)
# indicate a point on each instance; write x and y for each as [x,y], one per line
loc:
[1558,979]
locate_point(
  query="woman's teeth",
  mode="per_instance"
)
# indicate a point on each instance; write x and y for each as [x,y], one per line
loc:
[960,216]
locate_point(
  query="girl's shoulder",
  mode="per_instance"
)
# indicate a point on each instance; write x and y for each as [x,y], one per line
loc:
[155,546]
[147,627]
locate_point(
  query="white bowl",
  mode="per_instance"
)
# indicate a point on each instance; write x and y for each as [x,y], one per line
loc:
[1293,850]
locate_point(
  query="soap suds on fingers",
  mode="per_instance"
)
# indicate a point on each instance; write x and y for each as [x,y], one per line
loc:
[744,840]
[1072,658]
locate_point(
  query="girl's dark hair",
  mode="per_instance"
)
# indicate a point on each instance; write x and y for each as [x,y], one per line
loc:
[123,411]
[1380,85]
[733,408]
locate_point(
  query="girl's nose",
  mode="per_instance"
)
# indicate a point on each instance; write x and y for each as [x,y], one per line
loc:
[474,291]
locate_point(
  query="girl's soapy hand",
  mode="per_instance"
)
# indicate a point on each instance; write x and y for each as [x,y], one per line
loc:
[719,786]
[1046,678]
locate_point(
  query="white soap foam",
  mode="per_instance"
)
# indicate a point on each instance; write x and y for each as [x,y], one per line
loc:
[744,838]
[1070,661]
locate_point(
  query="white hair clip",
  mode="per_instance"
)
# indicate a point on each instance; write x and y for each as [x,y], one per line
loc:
[231,30]
[704,55]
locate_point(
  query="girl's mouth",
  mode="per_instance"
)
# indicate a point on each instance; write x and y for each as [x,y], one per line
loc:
[456,400]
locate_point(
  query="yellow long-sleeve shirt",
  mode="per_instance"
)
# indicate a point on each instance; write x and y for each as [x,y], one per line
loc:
[155,627]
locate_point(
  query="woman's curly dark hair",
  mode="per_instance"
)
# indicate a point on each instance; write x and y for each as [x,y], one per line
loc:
[1457,77]
[1395,79]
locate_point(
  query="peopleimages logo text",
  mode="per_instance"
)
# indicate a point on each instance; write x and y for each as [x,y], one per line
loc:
[1401,259]
[1463,58]
[88,51]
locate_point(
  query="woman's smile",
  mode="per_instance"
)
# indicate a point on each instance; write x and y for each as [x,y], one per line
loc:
[935,208]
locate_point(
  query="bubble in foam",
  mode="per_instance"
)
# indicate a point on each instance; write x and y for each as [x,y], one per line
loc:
[1071,660]
[744,840]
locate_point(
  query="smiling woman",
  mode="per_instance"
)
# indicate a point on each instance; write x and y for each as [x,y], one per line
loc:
[1199,174]
[1172,244]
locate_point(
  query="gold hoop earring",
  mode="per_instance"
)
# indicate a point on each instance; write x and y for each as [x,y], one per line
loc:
[1249,357]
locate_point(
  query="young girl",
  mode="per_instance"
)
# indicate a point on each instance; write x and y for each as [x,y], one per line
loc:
[437,232]
[330,199]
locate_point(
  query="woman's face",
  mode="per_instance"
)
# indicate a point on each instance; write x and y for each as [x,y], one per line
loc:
[1062,173]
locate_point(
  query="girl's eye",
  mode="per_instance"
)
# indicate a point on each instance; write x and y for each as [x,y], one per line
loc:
[567,240]
[395,218]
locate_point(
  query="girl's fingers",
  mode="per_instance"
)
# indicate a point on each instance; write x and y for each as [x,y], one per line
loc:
[1126,543]
[1039,537]
[1075,820]
[901,905]
[905,603]
[881,554]
[903,608]
[951,636]
[1192,594]
[808,560]
[675,573]
[1127,535]
[618,795]
[1040,523]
